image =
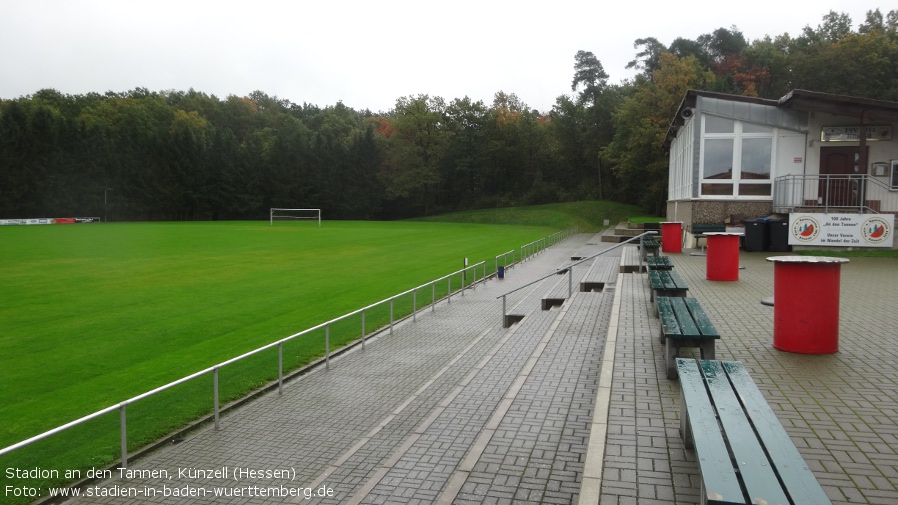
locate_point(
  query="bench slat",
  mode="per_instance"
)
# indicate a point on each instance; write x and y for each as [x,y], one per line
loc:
[659,262]
[677,281]
[669,323]
[684,317]
[788,462]
[721,484]
[705,327]
[760,480]
[661,279]
[666,281]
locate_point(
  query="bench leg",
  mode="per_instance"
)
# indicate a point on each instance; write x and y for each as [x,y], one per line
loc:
[661,336]
[707,348]
[685,425]
[672,350]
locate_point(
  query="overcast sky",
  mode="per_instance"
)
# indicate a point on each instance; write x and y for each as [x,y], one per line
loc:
[363,53]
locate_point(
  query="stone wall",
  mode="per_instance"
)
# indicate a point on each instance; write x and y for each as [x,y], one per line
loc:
[731,212]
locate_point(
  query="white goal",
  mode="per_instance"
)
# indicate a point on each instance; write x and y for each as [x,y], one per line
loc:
[294,214]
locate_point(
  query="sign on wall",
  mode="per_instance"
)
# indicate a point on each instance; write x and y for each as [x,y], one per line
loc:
[841,230]
[853,133]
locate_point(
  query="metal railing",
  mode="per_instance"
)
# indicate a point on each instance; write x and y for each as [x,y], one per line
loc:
[569,270]
[531,249]
[856,193]
[214,370]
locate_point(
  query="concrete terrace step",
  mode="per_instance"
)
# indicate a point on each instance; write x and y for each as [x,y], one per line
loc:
[631,260]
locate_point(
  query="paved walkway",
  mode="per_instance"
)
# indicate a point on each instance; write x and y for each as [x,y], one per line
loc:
[453,408]
[841,410]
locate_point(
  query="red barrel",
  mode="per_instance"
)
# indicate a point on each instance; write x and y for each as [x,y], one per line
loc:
[806,304]
[723,257]
[672,237]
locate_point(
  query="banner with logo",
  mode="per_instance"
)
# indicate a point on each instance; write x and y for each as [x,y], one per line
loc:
[841,230]
[48,220]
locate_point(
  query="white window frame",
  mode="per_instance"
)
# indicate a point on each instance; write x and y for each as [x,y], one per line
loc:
[736,180]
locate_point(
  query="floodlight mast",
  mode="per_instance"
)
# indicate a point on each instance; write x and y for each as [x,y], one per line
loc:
[284,213]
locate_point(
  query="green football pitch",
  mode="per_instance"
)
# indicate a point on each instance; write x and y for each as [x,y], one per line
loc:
[95,314]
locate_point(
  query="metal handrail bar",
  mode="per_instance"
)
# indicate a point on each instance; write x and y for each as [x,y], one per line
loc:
[570,269]
[504,257]
[561,270]
[525,253]
[214,369]
[551,240]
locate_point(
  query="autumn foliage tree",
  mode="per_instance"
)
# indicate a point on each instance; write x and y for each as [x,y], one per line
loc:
[641,124]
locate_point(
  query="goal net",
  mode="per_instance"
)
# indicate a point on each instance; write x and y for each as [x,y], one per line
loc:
[295,214]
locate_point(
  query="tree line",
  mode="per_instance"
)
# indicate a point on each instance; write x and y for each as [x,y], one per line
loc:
[184,155]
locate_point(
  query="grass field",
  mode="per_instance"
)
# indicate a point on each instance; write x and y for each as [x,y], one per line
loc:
[96,314]
[588,216]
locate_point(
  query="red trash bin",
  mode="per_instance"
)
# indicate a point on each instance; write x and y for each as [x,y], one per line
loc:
[722,260]
[806,303]
[672,237]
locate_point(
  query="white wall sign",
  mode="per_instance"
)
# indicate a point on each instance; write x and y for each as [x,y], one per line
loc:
[853,133]
[842,230]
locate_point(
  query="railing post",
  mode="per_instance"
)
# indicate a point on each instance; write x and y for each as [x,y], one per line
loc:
[570,281]
[215,395]
[449,289]
[433,296]
[415,305]
[363,329]
[503,311]
[123,427]
[280,368]
[862,193]
[327,347]
[391,316]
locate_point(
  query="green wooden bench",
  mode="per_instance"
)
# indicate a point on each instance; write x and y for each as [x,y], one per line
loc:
[700,231]
[649,244]
[667,283]
[744,453]
[684,324]
[659,263]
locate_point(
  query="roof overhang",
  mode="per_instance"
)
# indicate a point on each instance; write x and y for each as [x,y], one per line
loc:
[868,111]
[864,109]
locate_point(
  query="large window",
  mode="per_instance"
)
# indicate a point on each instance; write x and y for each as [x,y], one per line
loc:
[736,158]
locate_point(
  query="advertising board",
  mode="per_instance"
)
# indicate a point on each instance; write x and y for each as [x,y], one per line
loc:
[841,230]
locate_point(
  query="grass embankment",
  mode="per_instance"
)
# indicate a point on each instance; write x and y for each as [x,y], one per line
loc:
[587,216]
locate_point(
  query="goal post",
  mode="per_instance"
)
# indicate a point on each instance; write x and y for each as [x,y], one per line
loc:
[280,214]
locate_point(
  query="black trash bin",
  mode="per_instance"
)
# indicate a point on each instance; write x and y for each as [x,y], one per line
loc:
[500,272]
[778,231]
[755,235]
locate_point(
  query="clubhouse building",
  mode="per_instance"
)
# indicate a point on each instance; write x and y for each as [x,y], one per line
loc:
[808,154]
